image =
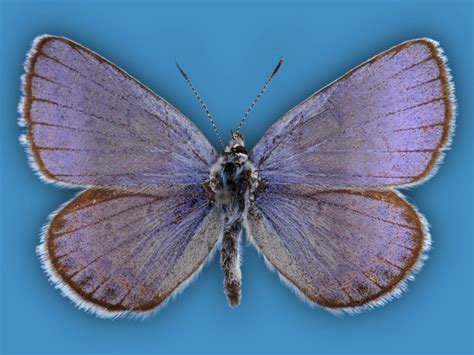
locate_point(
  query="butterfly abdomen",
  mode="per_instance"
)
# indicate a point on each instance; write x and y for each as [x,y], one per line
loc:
[230,261]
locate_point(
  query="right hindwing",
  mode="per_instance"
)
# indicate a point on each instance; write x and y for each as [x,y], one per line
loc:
[340,249]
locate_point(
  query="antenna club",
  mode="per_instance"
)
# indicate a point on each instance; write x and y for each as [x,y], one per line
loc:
[203,105]
[182,71]
[280,62]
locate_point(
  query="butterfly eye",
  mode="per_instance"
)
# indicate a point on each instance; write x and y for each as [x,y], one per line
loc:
[239,149]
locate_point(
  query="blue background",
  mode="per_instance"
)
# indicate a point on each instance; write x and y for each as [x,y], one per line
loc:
[228,50]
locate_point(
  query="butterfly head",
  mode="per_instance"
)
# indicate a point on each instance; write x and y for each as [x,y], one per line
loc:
[237,140]
[236,147]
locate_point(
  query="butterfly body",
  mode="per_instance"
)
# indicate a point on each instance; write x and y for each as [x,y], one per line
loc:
[233,180]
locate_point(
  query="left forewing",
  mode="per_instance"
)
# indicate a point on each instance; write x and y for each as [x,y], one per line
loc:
[91,124]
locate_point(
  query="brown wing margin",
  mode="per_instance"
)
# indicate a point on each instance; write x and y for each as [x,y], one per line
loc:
[24,109]
[449,105]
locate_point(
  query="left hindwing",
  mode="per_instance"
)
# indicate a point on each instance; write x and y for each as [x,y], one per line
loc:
[116,252]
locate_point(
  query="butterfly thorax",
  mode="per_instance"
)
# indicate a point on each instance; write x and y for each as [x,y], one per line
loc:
[233,180]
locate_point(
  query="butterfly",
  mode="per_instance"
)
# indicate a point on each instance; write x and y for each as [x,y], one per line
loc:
[317,196]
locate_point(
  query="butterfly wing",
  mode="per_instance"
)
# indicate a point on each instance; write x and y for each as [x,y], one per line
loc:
[340,249]
[90,123]
[385,123]
[116,252]
[129,244]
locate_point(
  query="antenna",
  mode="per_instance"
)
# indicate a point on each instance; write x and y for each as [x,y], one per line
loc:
[202,103]
[280,62]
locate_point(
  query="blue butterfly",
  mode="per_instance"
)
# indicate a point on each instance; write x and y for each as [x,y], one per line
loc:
[317,195]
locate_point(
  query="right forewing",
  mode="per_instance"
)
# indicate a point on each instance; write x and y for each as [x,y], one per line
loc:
[383,124]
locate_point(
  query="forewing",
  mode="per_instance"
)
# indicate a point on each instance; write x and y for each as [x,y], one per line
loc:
[340,249]
[90,123]
[116,252]
[385,123]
